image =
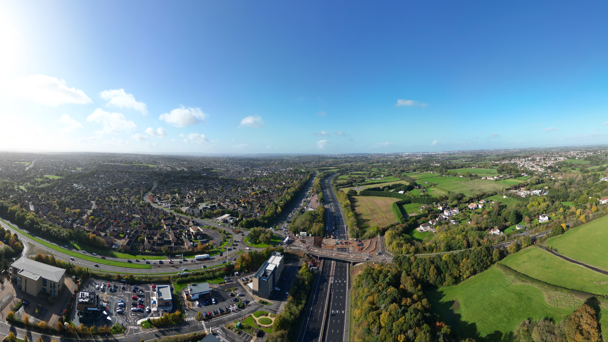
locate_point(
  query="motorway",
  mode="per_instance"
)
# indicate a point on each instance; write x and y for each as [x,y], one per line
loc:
[313,322]
[334,328]
[335,219]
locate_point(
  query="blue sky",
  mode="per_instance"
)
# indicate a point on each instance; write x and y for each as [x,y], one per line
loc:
[302,77]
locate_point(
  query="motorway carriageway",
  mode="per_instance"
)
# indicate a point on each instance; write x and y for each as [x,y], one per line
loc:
[311,330]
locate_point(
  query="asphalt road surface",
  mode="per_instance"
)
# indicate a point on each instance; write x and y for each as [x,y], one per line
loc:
[338,224]
[314,318]
[334,327]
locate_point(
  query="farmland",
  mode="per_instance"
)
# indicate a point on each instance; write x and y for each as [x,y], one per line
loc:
[477,171]
[542,265]
[464,185]
[491,302]
[586,243]
[375,210]
[509,182]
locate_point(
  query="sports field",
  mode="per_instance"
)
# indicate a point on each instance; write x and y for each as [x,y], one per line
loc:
[587,243]
[477,171]
[489,303]
[375,210]
[463,185]
[542,265]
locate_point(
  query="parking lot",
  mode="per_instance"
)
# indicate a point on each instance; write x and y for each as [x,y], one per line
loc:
[226,298]
[123,303]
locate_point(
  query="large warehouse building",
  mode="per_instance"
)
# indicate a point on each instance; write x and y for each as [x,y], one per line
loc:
[266,278]
[34,277]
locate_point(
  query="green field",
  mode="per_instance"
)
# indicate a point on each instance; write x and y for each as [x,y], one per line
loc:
[490,305]
[111,253]
[367,186]
[273,242]
[376,211]
[78,255]
[477,171]
[567,204]
[52,177]
[412,208]
[577,161]
[509,201]
[542,265]
[509,181]
[461,184]
[586,243]
[416,235]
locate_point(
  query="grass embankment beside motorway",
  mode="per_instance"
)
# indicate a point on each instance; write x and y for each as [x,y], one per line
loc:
[75,254]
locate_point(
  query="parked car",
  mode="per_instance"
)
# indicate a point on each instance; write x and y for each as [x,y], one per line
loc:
[133,297]
[121,304]
[134,310]
[208,313]
[235,299]
[160,262]
[96,287]
[148,309]
[119,311]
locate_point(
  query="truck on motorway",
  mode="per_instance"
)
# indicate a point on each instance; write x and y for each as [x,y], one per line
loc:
[201,257]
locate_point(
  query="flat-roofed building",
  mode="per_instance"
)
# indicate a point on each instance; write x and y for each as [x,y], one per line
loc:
[197,291]
[34,277]
[266,278]
[162,298]
[87,301]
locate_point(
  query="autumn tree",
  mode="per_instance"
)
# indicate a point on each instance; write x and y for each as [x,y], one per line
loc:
[582,325]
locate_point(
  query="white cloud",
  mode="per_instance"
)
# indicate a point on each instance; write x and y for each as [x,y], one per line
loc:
[252,121]
[434,142]
[160,132]
[409,103]
[321,144]
[194,138]
[550,129]
[321,113]
[140,137]
[47,90]
[118,98]
[494,135]
[70,123]
[182,117]
[384,144]
[113,123]
[322,134]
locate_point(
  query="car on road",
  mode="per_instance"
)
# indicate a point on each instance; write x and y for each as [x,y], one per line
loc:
[129,261]
[72,258]
[247,248]
[153,286]
[66,246]
[171,261]
[185,269]
[277,289]
[95,254]
[160,262]
[148,262]
[154,263]
[96,265]
[103,257]
[136,260]
[148,309]
[97,287]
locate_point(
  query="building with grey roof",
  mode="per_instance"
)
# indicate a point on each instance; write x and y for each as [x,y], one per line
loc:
[34,277]
[266,278]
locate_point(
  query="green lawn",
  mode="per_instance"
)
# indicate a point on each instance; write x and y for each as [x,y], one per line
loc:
[489,303]
[249,321]
[509,181]
[567,204]
[111,253]
[586,243]
[79,255]
[146,325]
[542,265]
[273,242]
[509,201]
[416,235]
[260,313]
[52,177]
[412,208]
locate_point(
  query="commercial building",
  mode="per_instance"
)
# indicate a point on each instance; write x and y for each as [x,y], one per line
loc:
[34,277]
[87,301]
[162,299]
[197,291]
[266,278]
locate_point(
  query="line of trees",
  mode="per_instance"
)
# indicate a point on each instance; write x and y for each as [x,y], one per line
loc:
[286,324]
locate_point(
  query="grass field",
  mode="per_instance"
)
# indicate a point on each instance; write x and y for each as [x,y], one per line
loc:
[541,265]
[489,305]
[477,171]
[463,185]
[273,242]
[567,204]
[79,255]
[509,181]
[509,202]
[416,235]
[586,243]
[53,177]
[578,161]
[375,210]
[367,186]
[412,208]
